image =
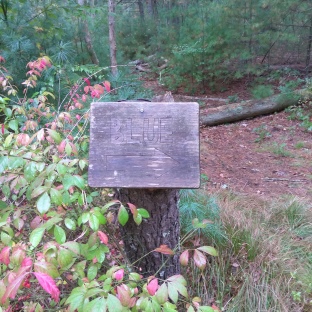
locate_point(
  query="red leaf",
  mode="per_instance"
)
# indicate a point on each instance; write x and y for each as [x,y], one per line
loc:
[61,147]
[215,308]
[124,295]
[4,255]
[164,249]
[103,237]
[107,85]
[86,89]
[87,81]
[2,128]
[27,262]
[133,210]
[48,284]
[15,284]
[184,258]
[152,286]
[199,259]
[118,275]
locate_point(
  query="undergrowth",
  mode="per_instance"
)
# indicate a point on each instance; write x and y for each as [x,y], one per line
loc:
[265,254]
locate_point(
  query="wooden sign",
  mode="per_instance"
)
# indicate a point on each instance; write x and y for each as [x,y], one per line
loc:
[144,145]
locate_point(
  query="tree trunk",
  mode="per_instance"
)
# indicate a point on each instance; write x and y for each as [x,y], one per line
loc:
[308,56]
[112,37]
[152,8]
[141,10]
[162,228]
[88,40]
[249,109]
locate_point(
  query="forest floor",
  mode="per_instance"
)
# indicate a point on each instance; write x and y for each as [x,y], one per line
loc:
[267,156]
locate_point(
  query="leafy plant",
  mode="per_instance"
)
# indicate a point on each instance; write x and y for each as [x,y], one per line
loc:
[57,234]
[233,98]
[280,150]
[262,91]
[262,133]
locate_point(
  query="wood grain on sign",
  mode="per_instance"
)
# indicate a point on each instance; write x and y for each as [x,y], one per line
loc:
[144,145]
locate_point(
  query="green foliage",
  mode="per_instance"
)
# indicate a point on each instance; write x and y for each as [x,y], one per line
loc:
[197,205]
[262,133]
[262,91]
[58,235]
[266,252]
[281,150]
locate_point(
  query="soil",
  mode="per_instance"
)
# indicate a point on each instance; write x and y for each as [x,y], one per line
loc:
[268,156]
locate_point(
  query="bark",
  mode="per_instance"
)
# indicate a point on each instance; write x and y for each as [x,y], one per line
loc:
[88,40]
[141,10]
[152,8]
[249,109]
[112,37]
[308,56]
[162,228]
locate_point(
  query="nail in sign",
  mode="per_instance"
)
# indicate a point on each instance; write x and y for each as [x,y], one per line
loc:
[144,145]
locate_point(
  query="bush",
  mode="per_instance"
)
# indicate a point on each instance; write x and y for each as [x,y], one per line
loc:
[60,237]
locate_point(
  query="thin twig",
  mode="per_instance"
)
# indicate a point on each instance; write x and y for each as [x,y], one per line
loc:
[281,179]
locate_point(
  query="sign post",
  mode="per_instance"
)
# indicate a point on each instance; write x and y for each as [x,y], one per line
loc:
[147,150]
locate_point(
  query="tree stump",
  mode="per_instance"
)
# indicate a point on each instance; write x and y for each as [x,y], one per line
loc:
[162,228]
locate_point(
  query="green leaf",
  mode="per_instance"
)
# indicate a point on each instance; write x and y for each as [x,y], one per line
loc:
[96,305]
[73,246]
[38,191]
[8,140]
[30,171]
[73,180]
[123,215]
[143,212]
[56,196]
[65,259]
[92,272]
[85,217]
[209,250]
[3,204]
[47,268]
[94,222]
[180,288]
[82,164]
[43,203]
[16,162]
[55,136]
[59,234]
[100,253]
[173,293]
[13,124]
[138,219]
[113,304]
[76,298]
[169,307]
[61,169]
[70,224]
[6,239]
[100,217]
[162,294]
[36,236]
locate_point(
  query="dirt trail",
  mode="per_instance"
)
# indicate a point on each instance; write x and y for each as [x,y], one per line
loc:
[267,156]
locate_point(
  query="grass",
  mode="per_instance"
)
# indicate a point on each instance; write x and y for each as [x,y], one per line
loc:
[265,256]
[299,145]
[279,149]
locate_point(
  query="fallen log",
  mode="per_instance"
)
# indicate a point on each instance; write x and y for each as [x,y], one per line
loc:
[250,109]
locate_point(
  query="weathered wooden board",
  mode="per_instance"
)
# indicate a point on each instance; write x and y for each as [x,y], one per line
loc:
[144,145]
